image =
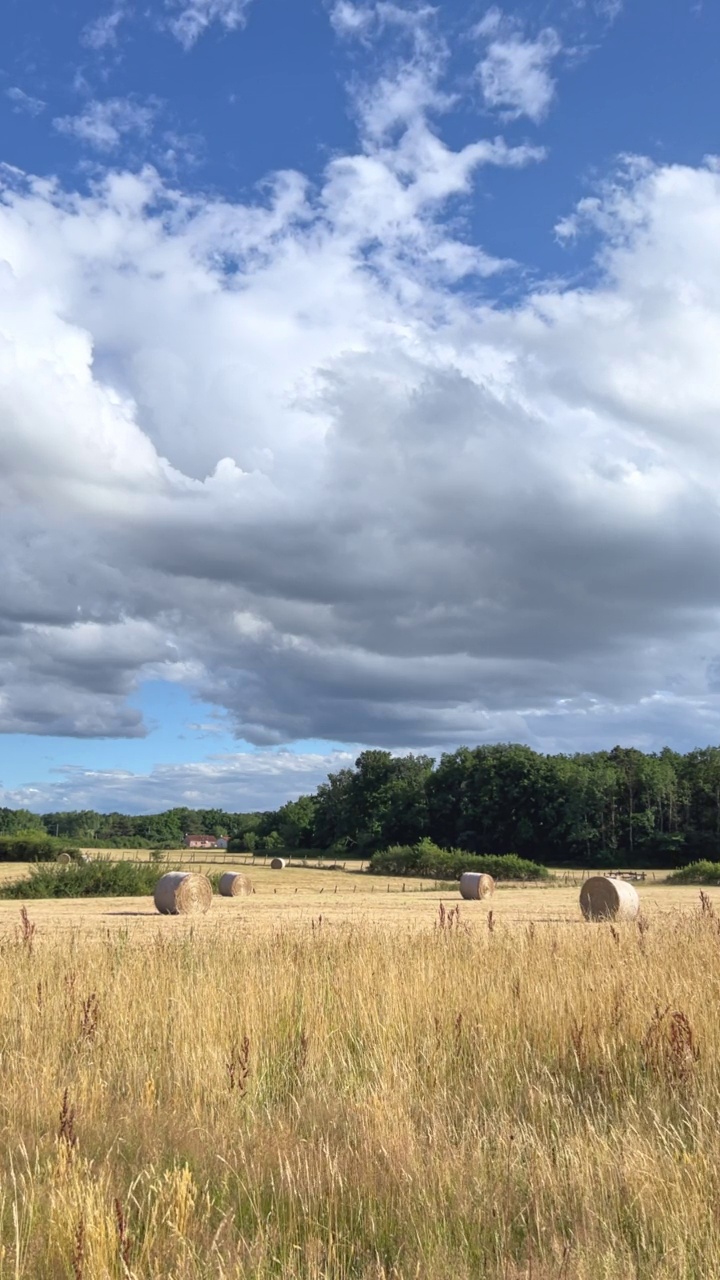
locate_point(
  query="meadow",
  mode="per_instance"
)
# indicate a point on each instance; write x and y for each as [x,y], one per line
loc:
[346,1081]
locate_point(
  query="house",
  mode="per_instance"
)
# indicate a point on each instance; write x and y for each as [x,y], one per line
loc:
[205,842]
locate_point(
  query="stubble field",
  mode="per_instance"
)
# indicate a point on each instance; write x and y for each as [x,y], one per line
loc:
[300,894]
[357,1084]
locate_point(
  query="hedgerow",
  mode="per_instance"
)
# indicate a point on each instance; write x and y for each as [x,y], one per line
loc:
[99,879]
[428,860]
[703,872]
[29,847]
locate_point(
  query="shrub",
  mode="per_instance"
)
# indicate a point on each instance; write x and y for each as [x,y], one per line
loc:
[272,843]
[100,879]
[29,847]
[244,843]
[697,873]
[427,859]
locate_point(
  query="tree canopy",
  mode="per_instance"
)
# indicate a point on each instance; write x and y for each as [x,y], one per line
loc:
[623,806]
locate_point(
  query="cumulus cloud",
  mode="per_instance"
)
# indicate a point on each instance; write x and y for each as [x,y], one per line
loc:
[514,73]
[275,452]
[350,19]
[192,17]
[103,125]
[24,103]
[263,780]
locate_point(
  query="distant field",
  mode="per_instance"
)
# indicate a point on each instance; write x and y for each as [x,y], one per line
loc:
[300,895]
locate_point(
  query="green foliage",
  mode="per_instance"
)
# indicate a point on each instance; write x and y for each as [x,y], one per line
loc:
[19,821]
[120,830]
[243,844]
[296,822]
[381,801]
[600,809]
[427,860]
[99,879]
[271,843]
[697,873]
[31,846]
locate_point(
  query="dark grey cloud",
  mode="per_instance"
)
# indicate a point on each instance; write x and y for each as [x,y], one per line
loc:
[334,494]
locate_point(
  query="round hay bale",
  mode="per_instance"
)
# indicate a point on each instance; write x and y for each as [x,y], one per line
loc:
[63,859]
[605,898]
[278,864]
[475,884]
[234,884]
[182,893]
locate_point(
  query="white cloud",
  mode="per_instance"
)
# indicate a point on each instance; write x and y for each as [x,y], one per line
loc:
[608,9]
[515,73]
[102,33]
[193,17]
[350,19]
[103,125]
[271,452]
[24,102]
[263,780]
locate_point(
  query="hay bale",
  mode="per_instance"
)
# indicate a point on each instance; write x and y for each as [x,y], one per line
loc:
[474,884]
[181,893]
[608,898]
[278,864]
[63,859]
[233,884]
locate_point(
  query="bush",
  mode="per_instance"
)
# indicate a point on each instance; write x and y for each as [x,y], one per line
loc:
[244,843]
[29,847]
[272,843]
[426,859]
[697,873]
[100,879]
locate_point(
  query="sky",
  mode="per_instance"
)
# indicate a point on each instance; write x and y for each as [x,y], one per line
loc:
[359,386]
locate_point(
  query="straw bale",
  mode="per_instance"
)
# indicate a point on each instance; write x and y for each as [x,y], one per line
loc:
[475,884]
[63,858]
[182,893]
[233,884]
[278,864]
[606,898]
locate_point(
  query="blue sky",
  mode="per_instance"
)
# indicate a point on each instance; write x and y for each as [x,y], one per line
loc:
[358,387]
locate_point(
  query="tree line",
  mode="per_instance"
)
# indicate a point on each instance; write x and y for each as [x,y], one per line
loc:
[622,806]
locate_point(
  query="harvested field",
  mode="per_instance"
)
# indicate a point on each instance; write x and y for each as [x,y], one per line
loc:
[300,895]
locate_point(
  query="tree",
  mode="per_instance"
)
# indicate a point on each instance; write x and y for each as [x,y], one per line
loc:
[295,821]
[13,821]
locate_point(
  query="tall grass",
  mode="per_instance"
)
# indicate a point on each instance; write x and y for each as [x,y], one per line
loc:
[340,1103]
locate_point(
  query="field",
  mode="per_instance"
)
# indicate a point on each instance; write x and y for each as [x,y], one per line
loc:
[349,1084]
[298,895]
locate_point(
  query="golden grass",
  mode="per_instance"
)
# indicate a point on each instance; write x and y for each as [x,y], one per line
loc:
[299,895]
[390,1090]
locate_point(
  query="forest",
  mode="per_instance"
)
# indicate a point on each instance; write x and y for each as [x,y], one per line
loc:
[621,806]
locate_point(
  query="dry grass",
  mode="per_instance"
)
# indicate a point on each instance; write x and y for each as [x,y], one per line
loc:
[302,894]
[328,1095]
